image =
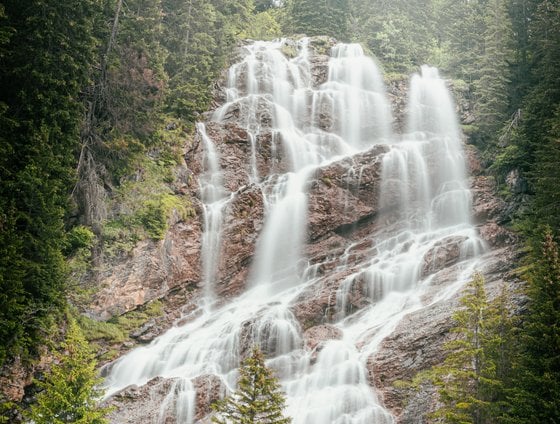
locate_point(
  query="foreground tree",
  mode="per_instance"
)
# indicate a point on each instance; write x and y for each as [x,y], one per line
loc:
[69,391]
[471,379]
[258,398]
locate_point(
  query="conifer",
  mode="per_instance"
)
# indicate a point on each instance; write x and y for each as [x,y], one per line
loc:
[70,393]
[471,379]
[258,398]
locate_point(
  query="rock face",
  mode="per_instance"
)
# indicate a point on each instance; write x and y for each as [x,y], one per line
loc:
[344,219]
[153,270]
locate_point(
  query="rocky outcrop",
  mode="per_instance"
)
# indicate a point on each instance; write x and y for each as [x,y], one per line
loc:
[209,388]
[315,337]
[152,270]
[150,403]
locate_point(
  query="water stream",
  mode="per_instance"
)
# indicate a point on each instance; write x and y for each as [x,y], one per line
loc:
[315,125]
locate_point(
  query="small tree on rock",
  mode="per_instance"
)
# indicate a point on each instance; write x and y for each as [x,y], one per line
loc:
[258,398]
[69,391]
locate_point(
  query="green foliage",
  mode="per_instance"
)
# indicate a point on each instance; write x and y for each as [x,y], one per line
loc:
[399,33]
[47,49]
[535,390]
[324,17]
[263,27]
[258,398]
[69,390]
[545,176]
[80,237]
[199,35]
[154,214]
[117,330]
[472,379]
[491,87]
[143,203]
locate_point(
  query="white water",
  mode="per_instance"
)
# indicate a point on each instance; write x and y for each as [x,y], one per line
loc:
[313,126]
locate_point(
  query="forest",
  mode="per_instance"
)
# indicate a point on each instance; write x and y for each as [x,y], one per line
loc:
[97,94]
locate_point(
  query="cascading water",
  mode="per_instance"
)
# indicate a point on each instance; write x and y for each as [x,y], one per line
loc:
[314,126]
[214,201]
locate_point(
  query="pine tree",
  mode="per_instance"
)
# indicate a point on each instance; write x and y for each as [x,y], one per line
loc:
[258,398]
[460,24]
[324,17]
[69,391]
[535,395]
[492,87]
[46,50]
[471,379]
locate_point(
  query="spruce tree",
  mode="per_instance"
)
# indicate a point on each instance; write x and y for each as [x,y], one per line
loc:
[258,398]
[535,394]
[70,393]
[471,379]
[492,87]
[324,17]
[46,50]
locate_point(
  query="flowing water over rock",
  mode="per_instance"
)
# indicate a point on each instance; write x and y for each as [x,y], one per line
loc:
[320,155]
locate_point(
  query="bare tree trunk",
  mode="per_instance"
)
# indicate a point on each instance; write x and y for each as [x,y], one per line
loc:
[113,32]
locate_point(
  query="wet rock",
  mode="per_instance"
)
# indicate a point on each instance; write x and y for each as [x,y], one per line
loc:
[209,388]
[319,69]
[496,235]
[397,92]
[415,345]
[474,165]
[316,305]
[443,254]
[316,336]
[243,223]
[152,402]
[486,204]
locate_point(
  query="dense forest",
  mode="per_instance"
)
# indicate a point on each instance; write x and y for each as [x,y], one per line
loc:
[100,94]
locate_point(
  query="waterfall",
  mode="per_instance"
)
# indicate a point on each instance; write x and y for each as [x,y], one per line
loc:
[425,201]
[214,201]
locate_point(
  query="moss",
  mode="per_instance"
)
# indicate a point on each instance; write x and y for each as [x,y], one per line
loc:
[101,330]
[118,329]
[155,214]
[469,130]
[120,236]
[289,51]
[327,181]
[322,45]
[143,201]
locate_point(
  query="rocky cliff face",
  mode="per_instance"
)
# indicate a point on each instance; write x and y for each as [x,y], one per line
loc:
[343,211]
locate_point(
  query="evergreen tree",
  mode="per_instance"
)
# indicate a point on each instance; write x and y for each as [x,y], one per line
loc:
[400,33]
[323,17]
[459,27]
[258,398]
[492,86]
[69,392]
[46,50]
[471,379]
[535,394]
